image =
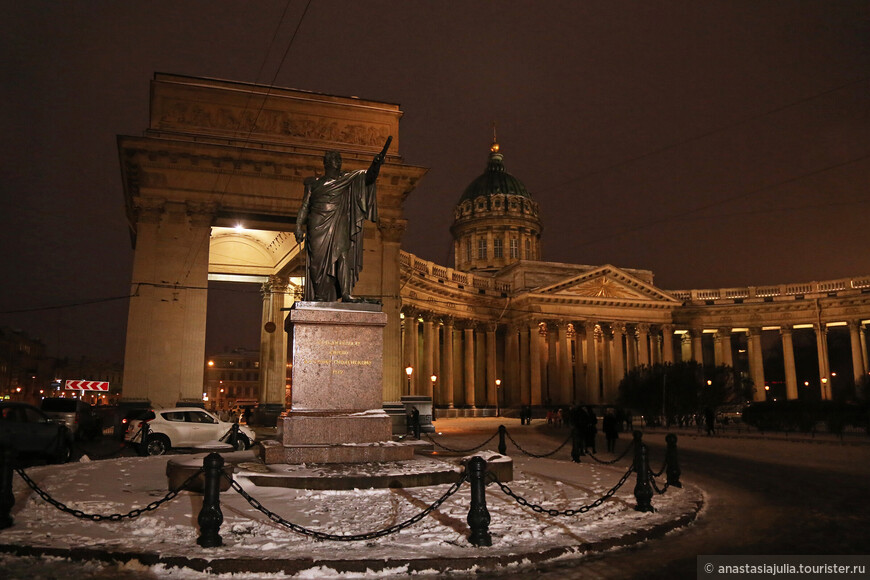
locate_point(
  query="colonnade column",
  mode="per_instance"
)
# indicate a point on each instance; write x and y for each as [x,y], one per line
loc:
[698,345]
[643,344]
[791,389]
[566,378]
[592,378]
[631,348]
[858,354]
[525,376]
[722,350]
[862,334]
[580,390]
[424,381]
[535,340]
[491,375]
[756,363]
[512,355]
[468,363]
[824,370]
[551,393]
[273,343]
[668,343]
[412,327]
[655,356]
[607,361]
[446,378]
[618,360]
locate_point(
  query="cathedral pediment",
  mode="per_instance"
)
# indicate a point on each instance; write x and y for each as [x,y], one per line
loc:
[606,283]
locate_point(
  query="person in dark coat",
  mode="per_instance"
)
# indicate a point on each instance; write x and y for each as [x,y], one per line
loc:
[415,422]
[591,428]
[710,419]
[580,420]
[611,433]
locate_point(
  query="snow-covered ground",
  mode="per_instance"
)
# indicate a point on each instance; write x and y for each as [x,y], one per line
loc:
[119,485]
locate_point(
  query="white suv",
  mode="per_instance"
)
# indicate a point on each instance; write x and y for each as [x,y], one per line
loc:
[184,427]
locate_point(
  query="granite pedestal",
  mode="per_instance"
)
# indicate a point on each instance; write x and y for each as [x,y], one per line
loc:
[336,413]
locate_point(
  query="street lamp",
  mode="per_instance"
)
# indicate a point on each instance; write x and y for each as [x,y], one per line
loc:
[409,370]
[433,378]
[497,397]
[825,394]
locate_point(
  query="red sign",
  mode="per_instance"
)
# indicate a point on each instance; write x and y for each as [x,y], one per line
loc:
[87,386]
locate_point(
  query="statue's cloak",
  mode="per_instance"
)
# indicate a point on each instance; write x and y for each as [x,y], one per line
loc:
[336,210]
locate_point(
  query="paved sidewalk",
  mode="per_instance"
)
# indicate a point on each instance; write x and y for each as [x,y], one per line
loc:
[164,540]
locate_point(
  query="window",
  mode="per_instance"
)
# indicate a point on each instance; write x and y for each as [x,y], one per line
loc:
[528,249]
[481,249]
[515,248]
[497,248]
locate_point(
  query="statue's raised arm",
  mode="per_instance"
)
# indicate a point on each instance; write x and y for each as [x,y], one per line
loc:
[375,167]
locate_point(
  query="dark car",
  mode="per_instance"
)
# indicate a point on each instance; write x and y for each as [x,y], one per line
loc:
[32,434]
[78,416]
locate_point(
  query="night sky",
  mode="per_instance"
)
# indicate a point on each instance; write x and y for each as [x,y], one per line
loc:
[717,144]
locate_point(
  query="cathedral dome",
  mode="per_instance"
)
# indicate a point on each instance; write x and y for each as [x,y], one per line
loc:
[495,180]
[496,221]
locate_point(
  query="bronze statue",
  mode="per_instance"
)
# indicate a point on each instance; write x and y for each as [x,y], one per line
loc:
[334,208]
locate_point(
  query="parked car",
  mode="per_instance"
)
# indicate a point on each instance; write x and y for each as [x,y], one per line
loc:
[183,427]
[78,416]
[33,434]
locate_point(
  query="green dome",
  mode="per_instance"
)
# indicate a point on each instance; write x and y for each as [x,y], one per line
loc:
[495,180]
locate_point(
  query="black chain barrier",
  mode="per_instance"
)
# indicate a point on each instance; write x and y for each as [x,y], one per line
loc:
[612,461]
[660,471]
[661,491]
[530,454]
[132,514]
[569,512]
[349,538]
[429,437]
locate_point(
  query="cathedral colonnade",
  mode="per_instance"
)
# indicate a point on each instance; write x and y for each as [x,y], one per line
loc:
[561,362]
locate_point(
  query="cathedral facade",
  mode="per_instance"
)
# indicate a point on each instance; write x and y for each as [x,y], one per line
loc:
[504,328]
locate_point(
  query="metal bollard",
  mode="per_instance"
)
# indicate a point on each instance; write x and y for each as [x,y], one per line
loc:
[143,445]
[577,447]
[673,462]
[210,516]
[502,446]
[642,490]
[7,498]
[478,516]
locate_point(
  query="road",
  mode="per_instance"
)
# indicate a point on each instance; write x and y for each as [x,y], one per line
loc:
[762,498]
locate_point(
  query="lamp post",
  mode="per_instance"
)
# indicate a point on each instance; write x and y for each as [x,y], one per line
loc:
[409,370]
[497,397]
[825,393]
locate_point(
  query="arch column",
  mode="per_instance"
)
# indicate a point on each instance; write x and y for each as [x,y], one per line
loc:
[791,389]
[756,363]
[273,342]
[163,361]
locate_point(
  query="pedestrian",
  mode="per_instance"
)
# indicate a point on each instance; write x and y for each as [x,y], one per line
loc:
[580,420]
[611,433]
[709,419]
[247,415]
[591,428]
[415,422]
